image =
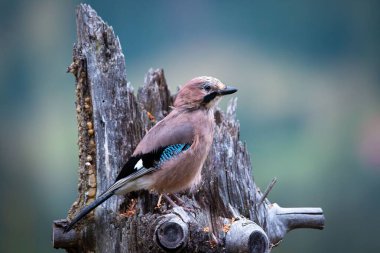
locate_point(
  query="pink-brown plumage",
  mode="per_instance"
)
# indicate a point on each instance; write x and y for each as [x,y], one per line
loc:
[191,122]
[183,171]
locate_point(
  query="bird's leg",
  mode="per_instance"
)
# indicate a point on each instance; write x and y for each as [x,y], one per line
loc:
[168,199]
[181,203]
[159,201]
[179,200]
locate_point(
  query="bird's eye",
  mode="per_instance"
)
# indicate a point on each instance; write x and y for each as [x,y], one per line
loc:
[207,87]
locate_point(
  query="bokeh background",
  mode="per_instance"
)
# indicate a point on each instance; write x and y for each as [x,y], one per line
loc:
[308,103]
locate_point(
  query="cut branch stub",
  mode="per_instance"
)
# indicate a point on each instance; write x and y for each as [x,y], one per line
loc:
[282,220]
[62,239]
[246,236]
[172,233]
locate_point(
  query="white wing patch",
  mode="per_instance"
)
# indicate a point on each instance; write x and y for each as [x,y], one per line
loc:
[139,165]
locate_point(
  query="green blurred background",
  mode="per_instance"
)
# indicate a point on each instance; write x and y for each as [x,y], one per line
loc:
[309,88]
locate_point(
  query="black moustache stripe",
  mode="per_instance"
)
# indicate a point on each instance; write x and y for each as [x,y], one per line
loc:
[209,97]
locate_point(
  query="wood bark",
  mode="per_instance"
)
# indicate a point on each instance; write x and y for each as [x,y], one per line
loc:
[227,213]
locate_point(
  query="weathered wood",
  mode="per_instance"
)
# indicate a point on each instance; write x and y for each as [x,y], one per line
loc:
[246,236]
[282,220]
[61,239]
[172,233]
[111,121]
[267,191]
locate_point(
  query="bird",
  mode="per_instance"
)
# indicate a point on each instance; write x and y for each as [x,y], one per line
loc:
[170,157]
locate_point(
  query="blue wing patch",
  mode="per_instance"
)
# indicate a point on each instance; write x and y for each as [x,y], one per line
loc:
[171,151]
[150,160]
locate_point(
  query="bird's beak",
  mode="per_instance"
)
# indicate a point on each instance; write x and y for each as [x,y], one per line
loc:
[228,90]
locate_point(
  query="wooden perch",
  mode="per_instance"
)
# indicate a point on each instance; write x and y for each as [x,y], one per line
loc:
[282,220]
[64,240]
[246,236]
[172,233]
[228,213]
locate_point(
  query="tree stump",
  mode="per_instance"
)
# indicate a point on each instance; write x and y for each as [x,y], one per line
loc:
[227,213]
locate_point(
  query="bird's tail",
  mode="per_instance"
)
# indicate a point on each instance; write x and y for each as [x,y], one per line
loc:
[88,209]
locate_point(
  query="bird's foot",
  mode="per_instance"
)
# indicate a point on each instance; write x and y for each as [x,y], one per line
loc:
[180,202]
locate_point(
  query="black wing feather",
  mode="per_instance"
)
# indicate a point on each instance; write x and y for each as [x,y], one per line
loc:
[149,160]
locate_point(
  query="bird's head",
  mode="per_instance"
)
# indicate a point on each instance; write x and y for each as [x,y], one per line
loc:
[202,92]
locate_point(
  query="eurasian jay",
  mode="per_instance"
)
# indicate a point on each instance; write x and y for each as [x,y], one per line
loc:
[170,157]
